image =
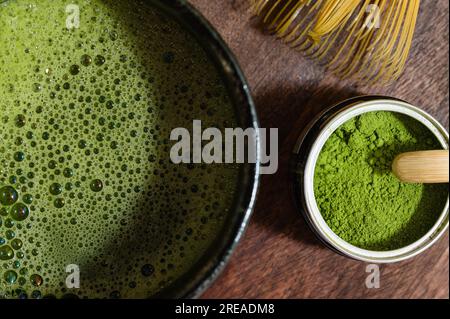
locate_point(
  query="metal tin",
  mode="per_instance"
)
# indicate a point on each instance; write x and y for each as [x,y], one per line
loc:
[306,153]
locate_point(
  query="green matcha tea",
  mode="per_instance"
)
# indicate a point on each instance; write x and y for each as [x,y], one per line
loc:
[85,172]
[358,195]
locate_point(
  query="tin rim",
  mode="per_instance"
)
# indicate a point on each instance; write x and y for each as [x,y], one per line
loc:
[314,216]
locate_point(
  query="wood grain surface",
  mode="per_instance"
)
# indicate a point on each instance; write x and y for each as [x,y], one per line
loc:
[279,257]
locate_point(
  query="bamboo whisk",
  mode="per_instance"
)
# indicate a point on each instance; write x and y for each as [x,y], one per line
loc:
[368,40]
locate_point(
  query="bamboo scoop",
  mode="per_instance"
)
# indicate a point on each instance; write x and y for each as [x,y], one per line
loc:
[425,167]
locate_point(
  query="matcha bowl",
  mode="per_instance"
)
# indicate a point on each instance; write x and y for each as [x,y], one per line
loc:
[346,191]
[92,204]
[194,282]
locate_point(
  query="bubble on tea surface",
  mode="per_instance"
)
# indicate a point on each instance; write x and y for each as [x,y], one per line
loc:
[8,195]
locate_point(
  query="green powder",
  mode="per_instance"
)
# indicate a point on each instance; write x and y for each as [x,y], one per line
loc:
[358,195]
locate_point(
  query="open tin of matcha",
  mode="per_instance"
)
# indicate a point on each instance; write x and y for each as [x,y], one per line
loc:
[349,212]
[87,183]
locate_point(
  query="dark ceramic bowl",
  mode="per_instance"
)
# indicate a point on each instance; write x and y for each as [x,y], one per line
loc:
[203,273]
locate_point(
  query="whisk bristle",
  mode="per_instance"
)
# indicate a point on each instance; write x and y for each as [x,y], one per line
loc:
[368,40]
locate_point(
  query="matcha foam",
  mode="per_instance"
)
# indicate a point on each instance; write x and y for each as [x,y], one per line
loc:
[358,195]
[85,171]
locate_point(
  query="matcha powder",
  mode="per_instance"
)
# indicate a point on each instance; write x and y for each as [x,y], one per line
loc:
[358,195]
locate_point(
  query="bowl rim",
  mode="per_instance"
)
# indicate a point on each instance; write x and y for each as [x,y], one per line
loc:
[315,217]
[201,276]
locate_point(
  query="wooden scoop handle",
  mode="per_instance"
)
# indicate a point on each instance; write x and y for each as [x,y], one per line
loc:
[425,167]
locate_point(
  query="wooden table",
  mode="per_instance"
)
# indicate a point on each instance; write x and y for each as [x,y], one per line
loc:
[279,257]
